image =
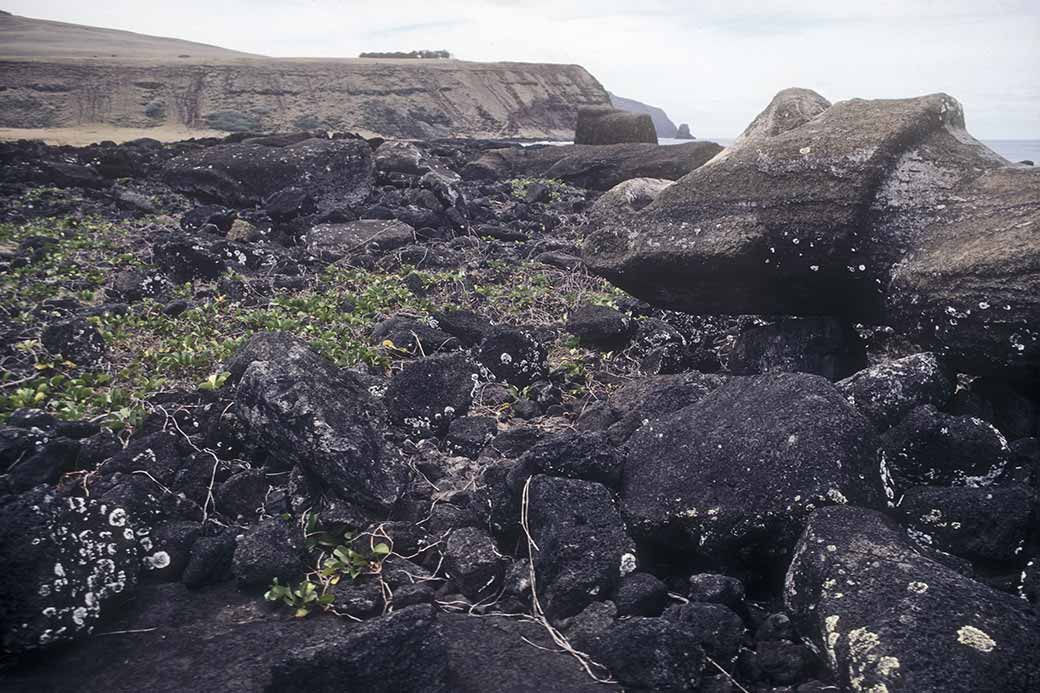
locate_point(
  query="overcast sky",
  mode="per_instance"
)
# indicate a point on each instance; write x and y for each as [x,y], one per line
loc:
[714,64]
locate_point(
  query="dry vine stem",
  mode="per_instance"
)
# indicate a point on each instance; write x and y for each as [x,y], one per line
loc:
[726,674]
[583,658]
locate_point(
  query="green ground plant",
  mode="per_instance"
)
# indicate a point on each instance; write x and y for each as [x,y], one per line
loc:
[149,351]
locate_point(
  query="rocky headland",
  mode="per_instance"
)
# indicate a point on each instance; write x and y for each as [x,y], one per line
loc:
[60,76]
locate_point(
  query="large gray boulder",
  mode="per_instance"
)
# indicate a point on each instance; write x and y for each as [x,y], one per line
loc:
[788,109]
[597,167]
[887,618]
[610,126]
[337,173]
[626,199]
[735,475]
[884,210]
[970,288]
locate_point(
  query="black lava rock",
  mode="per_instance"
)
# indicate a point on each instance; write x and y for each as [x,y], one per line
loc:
[468,435]
[977,523]
[188,259]
[65,559]
[929,447]
[651,653]
[824,346]
[641,594]
[581,542]
[587,456]
[305,411]
[403,652]
[426,395]
[717,628]
[413,336]
[76,340]
[474,563]
[272,549]
[243,494]
[513,356]
[600,326]
[768,450]
[221,217]
[885,393]
[945,631]
[716,589]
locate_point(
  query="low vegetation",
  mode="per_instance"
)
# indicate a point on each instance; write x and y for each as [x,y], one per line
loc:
[151,351]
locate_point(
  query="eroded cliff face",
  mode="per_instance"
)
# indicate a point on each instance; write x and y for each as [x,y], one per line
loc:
[392,98]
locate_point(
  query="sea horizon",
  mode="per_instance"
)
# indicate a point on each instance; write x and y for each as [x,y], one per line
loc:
[1014,150]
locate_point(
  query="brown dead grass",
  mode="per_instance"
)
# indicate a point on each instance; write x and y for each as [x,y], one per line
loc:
[95,132]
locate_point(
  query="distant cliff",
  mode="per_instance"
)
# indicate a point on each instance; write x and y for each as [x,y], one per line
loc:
[397,98]
[130,80]
[662,123]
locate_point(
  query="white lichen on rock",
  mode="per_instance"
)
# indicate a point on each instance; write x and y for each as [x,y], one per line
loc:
[973,637]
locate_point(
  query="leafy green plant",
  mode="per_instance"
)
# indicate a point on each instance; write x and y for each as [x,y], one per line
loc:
[344,560]
[339,557]
[519,187]
[301,598]
[215,381]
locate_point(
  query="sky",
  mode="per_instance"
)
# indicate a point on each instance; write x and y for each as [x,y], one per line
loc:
[713,64]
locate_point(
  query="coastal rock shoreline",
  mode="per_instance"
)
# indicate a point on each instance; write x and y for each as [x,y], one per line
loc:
[308,412]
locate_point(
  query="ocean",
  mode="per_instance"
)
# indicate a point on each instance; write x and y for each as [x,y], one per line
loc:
[1012,150]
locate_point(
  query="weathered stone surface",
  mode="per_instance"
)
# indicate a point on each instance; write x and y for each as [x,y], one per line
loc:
[711,588]
[506,663]
[650,654]
[871,209]
[932,448]
[887,618]
[588,456]
[475,563]
[397,156]
[468,435]
[600,326]
[977,523]
[599,167]
[172,639]
[403,651]
[513,356]
[641,594]
[427,395]
[337,173]
[735,475]
[887,392]
[789,109]
[308,412]
[272,549]
[610,126]
[76,340]
[65,560]
[625,200]
[418,337]
[970,291]
[647,398]
[334,241]
[581,543]
[716,627]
